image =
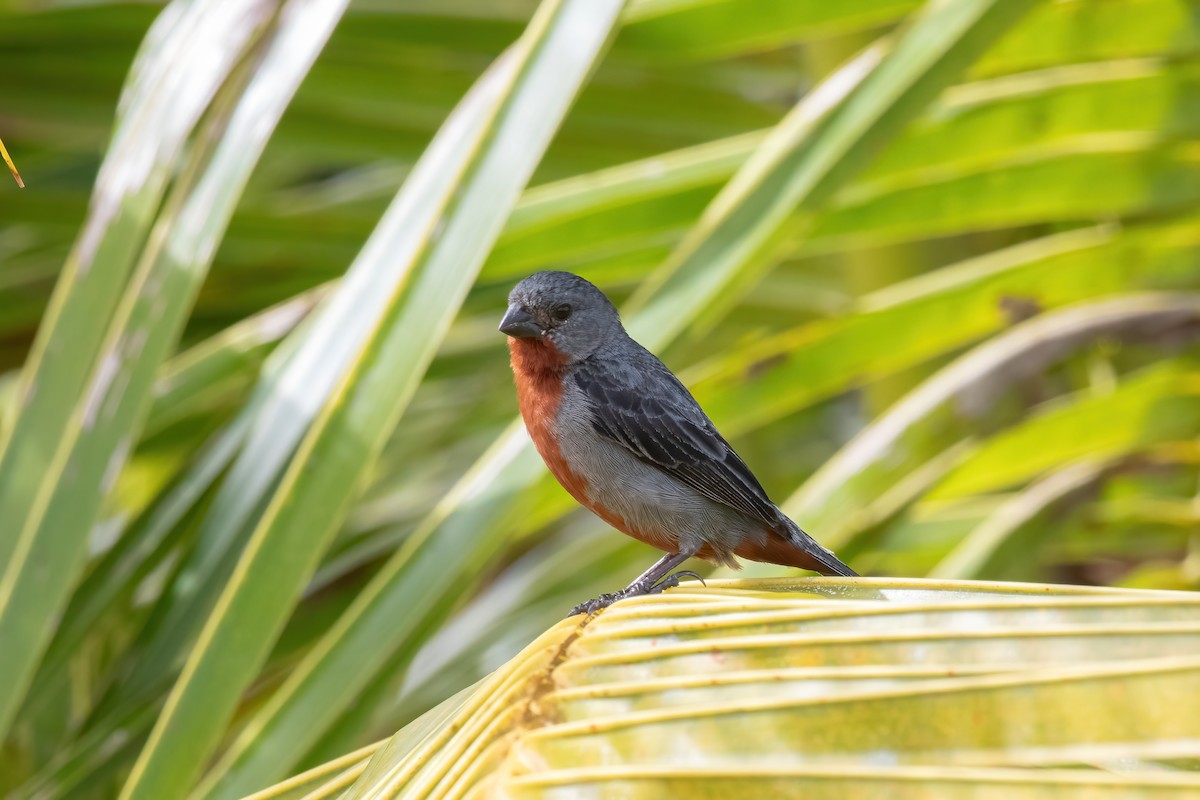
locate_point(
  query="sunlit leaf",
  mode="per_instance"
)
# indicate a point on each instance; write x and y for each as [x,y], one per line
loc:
[809,680]
[115,314]
[938,312]
[11,166]
[928,432]
[449,213]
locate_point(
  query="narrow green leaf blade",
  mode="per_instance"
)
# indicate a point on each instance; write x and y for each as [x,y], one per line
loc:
[797,172]
[521,103]
[88,378]
[896,458]
[936,313]
[1157,405]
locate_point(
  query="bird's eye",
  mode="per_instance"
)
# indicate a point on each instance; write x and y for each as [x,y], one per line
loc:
[561,313]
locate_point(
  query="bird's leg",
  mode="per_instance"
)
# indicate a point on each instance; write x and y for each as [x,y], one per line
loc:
[652,581]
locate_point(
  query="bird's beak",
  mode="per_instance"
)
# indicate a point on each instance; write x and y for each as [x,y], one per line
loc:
[518,324]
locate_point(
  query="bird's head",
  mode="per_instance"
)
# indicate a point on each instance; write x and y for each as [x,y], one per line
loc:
[563,310]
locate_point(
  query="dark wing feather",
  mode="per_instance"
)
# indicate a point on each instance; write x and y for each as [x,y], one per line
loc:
[643,407]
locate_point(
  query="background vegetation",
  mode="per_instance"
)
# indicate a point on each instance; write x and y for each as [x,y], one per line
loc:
[931,267]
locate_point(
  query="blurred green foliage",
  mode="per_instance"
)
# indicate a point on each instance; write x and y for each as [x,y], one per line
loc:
[944,306]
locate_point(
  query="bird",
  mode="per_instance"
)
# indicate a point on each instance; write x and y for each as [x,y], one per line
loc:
[630,443]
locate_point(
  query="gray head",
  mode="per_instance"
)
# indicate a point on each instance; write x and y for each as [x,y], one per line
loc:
[563,309]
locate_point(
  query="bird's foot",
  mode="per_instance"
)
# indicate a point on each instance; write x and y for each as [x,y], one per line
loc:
[597,603]
[672,580]
[633,590]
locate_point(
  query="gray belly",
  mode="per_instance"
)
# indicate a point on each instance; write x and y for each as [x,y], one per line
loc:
[655,505]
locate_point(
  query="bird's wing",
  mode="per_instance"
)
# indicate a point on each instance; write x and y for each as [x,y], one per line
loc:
[643,407]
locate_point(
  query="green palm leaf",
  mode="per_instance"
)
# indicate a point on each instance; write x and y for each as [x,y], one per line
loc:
[91,398]
[488,151]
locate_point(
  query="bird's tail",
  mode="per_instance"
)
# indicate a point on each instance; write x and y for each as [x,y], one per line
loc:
[827,562]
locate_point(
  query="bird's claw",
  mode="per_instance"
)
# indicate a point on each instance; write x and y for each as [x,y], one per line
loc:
[606,600]
[596,603]
[672,580]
